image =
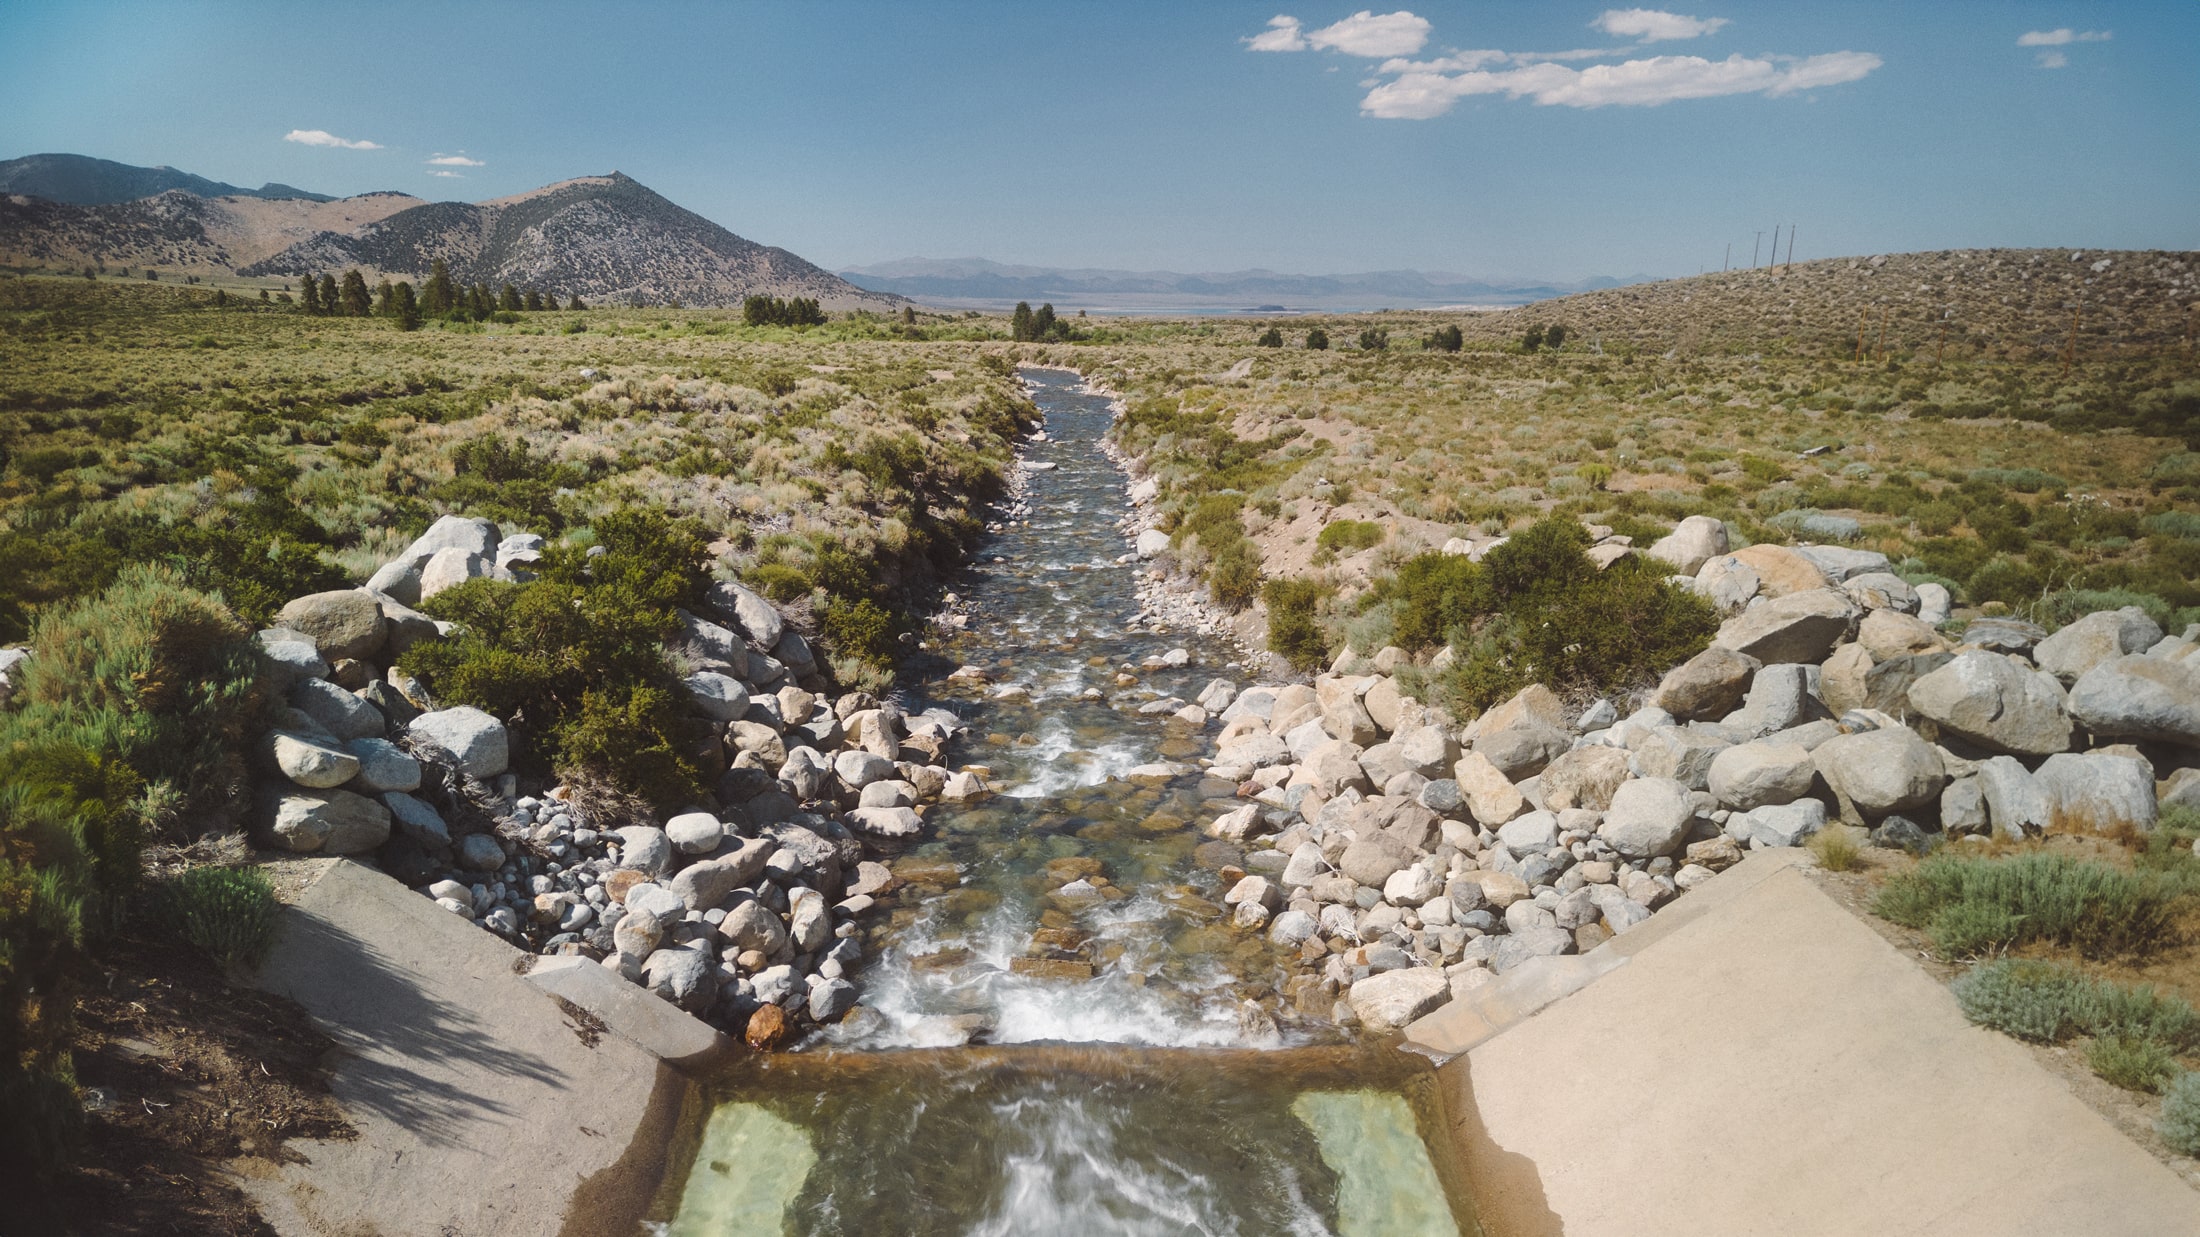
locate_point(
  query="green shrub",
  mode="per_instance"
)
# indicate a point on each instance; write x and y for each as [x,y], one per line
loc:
[1974,906]
[231,913]
[2043,1002]
[155,674]
[1347,536]
[1292,629]
[1438,594]
[2065,606]
[2005,580]
[2022,480]
[573,658]
[2180,1123]
[2183,525]
[1234,576]
[2131,1063]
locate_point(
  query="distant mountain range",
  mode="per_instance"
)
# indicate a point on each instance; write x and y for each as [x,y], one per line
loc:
[606,239]
[978,282]
[80,180]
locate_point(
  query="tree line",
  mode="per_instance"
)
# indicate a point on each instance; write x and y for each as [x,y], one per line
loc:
[772,311]
[440,297]
[1027,325]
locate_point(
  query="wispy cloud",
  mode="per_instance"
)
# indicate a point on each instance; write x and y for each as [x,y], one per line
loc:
[322,137]
[1365,33]
[2065,35]
[1633,83]
[454,161]
[1405,88]
[449,175]
[1654,25]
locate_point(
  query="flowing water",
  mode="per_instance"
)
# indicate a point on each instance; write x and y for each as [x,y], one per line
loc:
[1060,1033]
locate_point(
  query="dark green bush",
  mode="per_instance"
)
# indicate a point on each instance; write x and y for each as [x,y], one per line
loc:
[1438,594]
[1552,617]
[231,913]
[1974,906]
[1234,576]
[572,660]
[1292,628]
[1347,536]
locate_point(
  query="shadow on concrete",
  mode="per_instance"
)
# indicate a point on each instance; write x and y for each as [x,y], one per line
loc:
[410,1052]
[1508,1191]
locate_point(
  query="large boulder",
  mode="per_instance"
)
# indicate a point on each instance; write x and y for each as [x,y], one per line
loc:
[1780,571]
[416,819]
[1490,796]
[1841,564]
[1534,704]
[1584,778]
[1373,857]
[324,822]
[1994,702]
[708,646]
[1727,583]
[346,623]
[1683,753]
[1934,603]
[478,743]
[2141,697]
[343,714]
[450,567]
[383,766]
[1778,824]
[1752,775]
[746,609]
[2098,637]
[286,658]
[1881,590]
[1879,773]
[681,976]
[1696,540]
[2016,803]
[705,884]
[1523,750]
[1781,697]
[308,761]
[1891,633]
[719,697]
[752,925]
[1390,1000]
[1648,816]
[1800,627]
[1710,684]
[1887,685]
[2098,792]
[1841,678]
[2004,634]
[474,536]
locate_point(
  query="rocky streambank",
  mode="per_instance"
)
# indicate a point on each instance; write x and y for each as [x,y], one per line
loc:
[743,911]
[1408,858]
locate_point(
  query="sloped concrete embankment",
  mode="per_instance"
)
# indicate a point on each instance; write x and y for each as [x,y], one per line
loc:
[1755,1060]
[492,1092]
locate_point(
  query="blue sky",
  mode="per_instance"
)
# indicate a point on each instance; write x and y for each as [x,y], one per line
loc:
[1551,139]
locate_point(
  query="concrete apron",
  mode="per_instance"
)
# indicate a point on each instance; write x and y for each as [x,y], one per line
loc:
[492,1092]
[1755,1060]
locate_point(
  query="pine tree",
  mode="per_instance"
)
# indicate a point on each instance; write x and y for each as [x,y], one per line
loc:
[534,301]
[575,303]
[330,305]
[408,308]
[385,299]
[358,302]
[1019,323]
[310,295]
[1271,338]
[1042,323]
[437,297]
[508,300]
[1317,339]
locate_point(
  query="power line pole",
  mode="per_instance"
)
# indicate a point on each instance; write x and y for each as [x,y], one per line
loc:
[1756,245]
[1775,260]
[1791,250]
[1727,262]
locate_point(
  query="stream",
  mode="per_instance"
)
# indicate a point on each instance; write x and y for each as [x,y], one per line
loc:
[1060,1032]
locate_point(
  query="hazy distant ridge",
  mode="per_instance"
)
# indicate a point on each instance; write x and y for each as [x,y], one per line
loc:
[80,180]
[977,279]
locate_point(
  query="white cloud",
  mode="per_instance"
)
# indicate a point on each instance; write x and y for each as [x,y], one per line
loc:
[322,137]
[1282,35]
[2057,38]
[451,175]
[1633,83]
[2054,60]
[455,161]
[1653,25]
[1368,34]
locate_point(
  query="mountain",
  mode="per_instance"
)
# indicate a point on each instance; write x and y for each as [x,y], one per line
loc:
[606,239]
[603,238]
[977,281]
[79,180]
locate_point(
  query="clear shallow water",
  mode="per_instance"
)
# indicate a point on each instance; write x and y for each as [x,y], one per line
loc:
[1030,1059]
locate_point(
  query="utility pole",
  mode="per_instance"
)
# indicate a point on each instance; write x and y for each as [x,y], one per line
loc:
[1756,245]
[1727,263]
[1775,260]
[1791,250]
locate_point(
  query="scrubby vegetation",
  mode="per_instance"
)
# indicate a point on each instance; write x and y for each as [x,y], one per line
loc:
[229,913]
[1977,906]
[2137,1034]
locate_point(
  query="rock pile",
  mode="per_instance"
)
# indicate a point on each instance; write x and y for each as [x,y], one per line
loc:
[742,910]
[1409,859]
